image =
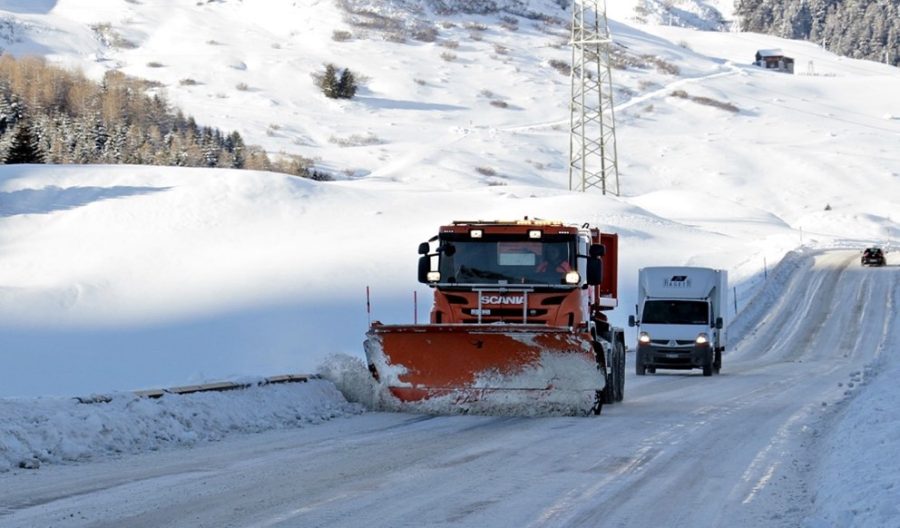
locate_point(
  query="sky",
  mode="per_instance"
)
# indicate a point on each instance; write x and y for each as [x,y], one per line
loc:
[118,278]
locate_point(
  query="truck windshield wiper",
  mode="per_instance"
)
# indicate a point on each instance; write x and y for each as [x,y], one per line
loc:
[482,274]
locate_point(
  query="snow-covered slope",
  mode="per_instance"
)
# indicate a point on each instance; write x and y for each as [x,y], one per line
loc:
[119,278]
[185,275]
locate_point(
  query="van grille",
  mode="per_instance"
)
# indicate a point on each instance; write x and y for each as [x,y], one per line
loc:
[678,342]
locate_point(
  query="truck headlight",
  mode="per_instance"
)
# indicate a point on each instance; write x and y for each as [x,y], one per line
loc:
[433,276]
[572,277]
[644,337]
[702,339]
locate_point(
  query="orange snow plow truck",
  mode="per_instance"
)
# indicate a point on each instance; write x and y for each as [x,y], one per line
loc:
[517,326]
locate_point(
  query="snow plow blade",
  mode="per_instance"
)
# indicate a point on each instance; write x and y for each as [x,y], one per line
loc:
[486,369]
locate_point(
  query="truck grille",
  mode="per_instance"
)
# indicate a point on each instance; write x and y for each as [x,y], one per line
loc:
[505,312]
[505,315]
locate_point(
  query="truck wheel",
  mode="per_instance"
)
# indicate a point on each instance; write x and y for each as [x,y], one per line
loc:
[609,391]
[598,404]
[620,372]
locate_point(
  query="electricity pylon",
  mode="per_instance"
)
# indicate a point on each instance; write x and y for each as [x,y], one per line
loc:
[592,139]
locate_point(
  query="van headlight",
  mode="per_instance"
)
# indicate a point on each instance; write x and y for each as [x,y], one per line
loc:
[644,337]
[702,339]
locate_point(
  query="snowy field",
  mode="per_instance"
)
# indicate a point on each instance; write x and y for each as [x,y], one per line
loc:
[117,278]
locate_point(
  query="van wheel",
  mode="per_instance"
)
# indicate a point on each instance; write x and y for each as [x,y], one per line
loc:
[710,364]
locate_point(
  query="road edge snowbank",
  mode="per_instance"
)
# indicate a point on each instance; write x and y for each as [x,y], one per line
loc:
[856,477]
[58,430]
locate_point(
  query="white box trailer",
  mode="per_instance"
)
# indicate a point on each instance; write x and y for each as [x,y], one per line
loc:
[680,318]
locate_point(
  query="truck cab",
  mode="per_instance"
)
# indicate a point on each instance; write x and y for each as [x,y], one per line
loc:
[522,272]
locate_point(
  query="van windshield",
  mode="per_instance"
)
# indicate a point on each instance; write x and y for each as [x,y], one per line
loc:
[675,312]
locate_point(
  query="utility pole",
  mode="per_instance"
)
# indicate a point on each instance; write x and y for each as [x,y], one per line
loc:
[592,140]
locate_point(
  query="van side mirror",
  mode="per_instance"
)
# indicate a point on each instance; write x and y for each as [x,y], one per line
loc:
[631,321]
[719,323]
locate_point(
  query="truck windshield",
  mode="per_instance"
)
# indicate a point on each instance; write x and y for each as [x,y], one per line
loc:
[675,312]
[507,261]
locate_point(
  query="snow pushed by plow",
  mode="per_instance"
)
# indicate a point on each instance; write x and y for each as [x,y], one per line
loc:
[575,382]
[549,384]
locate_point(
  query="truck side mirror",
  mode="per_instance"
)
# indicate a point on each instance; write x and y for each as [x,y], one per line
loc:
[597,251]
[424,248]
[719,323]
[424,268]
[631,321]
[594,271]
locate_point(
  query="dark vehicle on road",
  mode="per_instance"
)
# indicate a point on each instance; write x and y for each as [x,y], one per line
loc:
[872,256]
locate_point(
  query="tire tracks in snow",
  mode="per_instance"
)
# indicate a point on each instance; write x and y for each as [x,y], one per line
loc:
[784,405]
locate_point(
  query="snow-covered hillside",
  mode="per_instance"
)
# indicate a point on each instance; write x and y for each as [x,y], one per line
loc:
[119,277]
[265,273]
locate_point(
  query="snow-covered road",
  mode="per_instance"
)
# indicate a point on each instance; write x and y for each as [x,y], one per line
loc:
[737,449]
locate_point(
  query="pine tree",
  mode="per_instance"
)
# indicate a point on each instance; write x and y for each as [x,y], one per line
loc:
[346,87]
[801,22]
[115,147]
[209,148]
[234,144]
[329,82]
[6,115]
[23,148]
[84,141]
[100,136]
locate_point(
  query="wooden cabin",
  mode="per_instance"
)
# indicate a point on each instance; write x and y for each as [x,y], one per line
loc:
[774,60]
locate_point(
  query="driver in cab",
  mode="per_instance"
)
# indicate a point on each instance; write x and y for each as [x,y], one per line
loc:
[555,260]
